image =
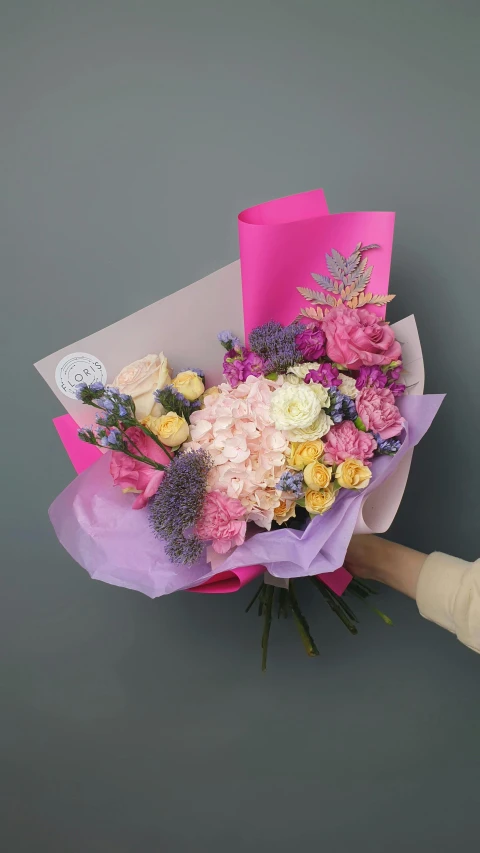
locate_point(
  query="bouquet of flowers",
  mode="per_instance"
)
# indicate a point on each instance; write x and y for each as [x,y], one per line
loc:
[267,470]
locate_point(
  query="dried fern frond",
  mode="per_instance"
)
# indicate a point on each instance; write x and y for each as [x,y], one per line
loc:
[325,282]
[312,314]
[317,298]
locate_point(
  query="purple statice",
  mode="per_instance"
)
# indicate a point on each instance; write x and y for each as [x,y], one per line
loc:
[276,344]
[106,403]
[342,407]
[291,481]
[200,373]
[326,375]
[228,340]
[86,434]
[373,376]
[311,342]
[397,388]
[115,439]
[97,387]
[173,400]
[176,507]
[387,446]
[80,390]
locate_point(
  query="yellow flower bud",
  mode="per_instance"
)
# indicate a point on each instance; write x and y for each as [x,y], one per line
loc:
[352,474]
[317,476]
[189,384]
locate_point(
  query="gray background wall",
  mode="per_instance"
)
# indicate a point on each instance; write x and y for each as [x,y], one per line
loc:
[131,135]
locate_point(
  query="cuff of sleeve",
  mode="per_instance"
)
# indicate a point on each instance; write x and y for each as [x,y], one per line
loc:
[438,585]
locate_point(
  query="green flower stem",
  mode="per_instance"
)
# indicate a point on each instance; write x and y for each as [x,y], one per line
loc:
[142,458]
[302,623]
[146,431]
[343,611]
[259,590]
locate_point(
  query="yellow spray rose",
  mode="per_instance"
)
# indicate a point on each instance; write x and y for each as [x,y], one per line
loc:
[317,476]
[284,511]
[351,474]
[317,503]
[189,384]
[304,452]
[171,429]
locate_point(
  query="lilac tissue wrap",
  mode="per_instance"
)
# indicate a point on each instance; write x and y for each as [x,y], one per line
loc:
[95,523]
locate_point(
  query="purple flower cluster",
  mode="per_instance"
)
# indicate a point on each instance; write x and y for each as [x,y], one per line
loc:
[228,340]
[238,365]
[387,446]
[174,401]
[177,506]
[326,375]
[276,345]
[311,342]
[342,407]
[291,481]
[371,376]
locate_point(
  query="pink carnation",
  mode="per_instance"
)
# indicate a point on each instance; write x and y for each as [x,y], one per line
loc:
[345,441]
[222,522]
[376,407]
[136,476]
[355,337]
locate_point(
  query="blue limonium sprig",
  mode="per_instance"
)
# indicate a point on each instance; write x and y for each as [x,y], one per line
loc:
[387,446]
[178,503]
[291,481]
[115,416]
[342,407]
[174,401]
[228,340]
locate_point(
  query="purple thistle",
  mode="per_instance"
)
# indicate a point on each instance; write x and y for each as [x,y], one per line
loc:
[387,446]
[342,407]
[373,376]
[326,375]
[177,506]
[277,346]
[291,481]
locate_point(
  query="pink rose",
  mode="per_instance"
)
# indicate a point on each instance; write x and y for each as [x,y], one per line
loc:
[376,407]
[355,337]
[345,441]
[222,522]
[136,476]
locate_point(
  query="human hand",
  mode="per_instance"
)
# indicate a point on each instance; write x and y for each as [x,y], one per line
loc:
[374,558]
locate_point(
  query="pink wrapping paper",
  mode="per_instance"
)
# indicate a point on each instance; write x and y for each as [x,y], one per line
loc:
[283,241]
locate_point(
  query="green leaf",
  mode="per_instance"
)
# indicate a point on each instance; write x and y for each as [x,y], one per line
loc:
[359,424]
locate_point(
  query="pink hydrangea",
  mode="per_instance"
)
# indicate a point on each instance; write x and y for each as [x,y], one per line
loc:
[222,522]
[376,407]
[356,337]
[138,477]
[345,441]
[248,453]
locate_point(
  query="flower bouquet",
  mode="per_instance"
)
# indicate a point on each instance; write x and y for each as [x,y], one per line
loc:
[266,462]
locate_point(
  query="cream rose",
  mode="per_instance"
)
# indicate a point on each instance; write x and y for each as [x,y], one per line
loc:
[301,370]
[320,426]
[171,429]
[321,393]
[351,474]
[317,503]
[190,384]
[294,407]
[317,476]
[304,452]
[348,386]
[140,379]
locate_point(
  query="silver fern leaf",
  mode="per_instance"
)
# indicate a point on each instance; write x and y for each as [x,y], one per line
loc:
[325,282]
[313,296]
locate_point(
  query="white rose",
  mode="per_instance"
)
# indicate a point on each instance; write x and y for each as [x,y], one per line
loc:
[140,379]
[348,386]
[293,380]
[320,426]
[294,407]
[301,370]
[322,394]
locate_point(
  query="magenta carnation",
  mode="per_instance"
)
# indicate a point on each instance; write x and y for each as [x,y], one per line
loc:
[376,408]
[311,343]
[345,441]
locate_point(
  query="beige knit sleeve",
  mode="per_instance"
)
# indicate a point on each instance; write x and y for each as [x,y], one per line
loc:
[448,593]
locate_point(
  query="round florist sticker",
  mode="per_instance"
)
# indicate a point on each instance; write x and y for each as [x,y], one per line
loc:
[78,367]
